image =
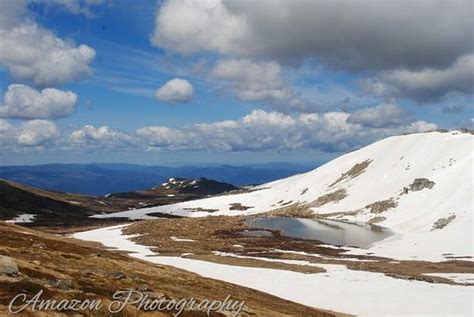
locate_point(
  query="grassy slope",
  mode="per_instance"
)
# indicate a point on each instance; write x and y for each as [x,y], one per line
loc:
[44,259]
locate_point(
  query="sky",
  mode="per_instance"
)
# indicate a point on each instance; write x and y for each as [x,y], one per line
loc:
[224,81]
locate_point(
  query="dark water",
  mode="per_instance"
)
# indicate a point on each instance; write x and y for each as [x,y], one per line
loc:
[356,234]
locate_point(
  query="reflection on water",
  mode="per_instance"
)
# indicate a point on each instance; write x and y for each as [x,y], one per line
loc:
[357,234]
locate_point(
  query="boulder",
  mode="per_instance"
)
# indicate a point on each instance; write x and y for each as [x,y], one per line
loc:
[65,285]
[421,183]
[8,266]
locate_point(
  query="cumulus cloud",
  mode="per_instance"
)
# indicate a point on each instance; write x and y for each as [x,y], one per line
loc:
[7,134]
[36,132]
[258,131]
[259,81]
[23,102]
[176,90]
[261,130]
[384,115]
[33,53]
[427,84]
[99,137]
[10,12]
[164,137]
[33,133]
[191,26]
[350,34]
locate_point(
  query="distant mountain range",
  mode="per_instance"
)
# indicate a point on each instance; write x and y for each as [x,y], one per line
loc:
[104,178]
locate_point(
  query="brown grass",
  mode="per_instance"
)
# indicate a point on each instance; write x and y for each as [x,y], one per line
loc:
[377,219]
[238,206]
[335,196]
[355,171]
[294,211]
[89,268]
[381,206]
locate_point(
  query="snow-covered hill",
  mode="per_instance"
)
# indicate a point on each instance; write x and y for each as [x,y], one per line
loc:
[419,185]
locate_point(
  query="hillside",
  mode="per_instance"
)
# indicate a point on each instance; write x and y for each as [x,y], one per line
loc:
[66,268]
[185,188]
[418,185]
[24,204]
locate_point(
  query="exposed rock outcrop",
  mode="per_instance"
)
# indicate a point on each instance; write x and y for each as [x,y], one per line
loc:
[381,206]
[443,222]
[420,184]
[238,206]
[355,171]
[8,266]
[328,198]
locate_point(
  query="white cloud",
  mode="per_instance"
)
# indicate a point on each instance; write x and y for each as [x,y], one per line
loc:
[33,133]
[384,115]
[7,134]
[187,26]
[33,53]
[259,81]
[427,84]
[23,102]
[176,90]
[102,136]
[351,34]
[164,137]
[36,133]
[11,11]
[407,52]
[258,131]
[261,130]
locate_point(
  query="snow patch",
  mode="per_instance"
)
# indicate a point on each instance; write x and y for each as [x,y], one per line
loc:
[338,289]
[23,218]
[181,239]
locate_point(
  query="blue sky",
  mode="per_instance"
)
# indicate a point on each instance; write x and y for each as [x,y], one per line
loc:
[181,81]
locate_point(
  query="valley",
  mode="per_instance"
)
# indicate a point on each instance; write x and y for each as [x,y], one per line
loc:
[224,158]
[384,222]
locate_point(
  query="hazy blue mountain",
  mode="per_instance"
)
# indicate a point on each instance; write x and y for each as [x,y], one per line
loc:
[103,178]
